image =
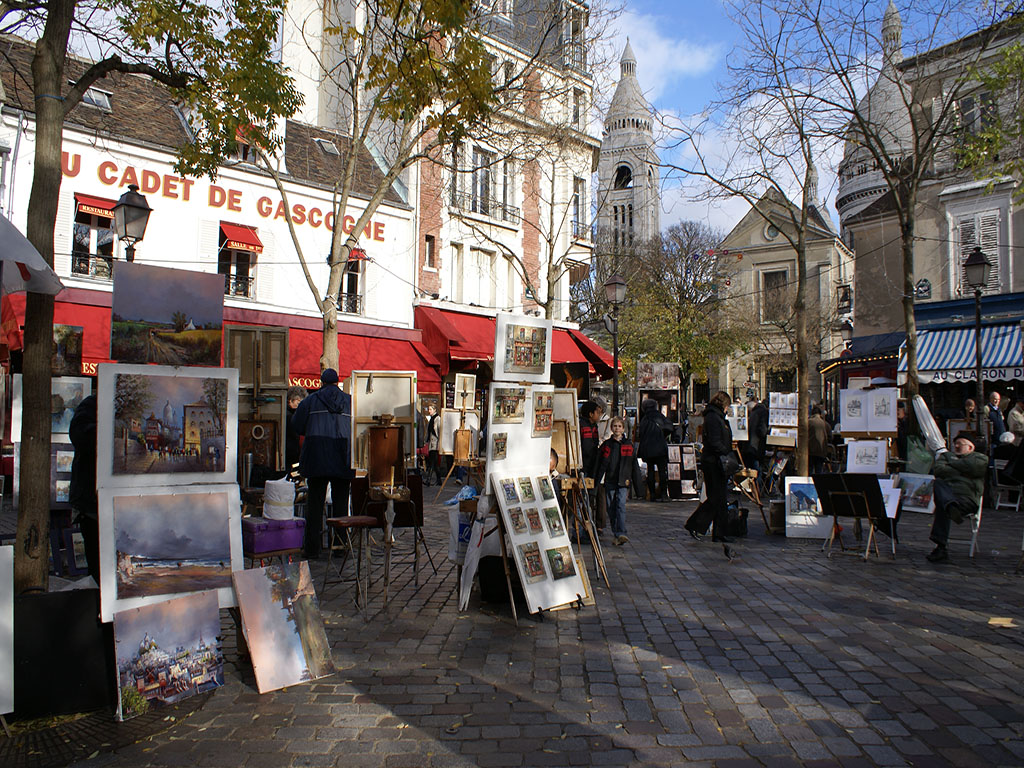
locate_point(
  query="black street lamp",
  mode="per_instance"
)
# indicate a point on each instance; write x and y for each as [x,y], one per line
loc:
[976,268]
[846,332]
[615,293]
[131,215]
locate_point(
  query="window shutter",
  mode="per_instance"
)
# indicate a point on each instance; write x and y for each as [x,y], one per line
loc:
[209,242]
[63,232]
[369,293]
[265,268]
[979,230]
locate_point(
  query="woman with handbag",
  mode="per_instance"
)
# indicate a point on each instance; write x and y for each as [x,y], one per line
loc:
[719,463]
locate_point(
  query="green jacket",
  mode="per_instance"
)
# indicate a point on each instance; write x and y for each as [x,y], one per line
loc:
[964,474]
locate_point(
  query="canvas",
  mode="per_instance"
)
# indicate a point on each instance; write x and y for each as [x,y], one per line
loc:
[673,471]
[917,492]
[573,376]
[167,652]
[167,540]
[377,392]
[673,454]
[522,349]
[509,405]
[689,460]
[542,413]
[283,626]
[510,490]
[166,316]
[515,515]
[157,424]
[533,518]
[450,421]
[526,489]
[561,562]
[499,446]
[554,520]
[465,391]
[64,460]
[547,491]
[805,517]
[66,392]
[67,350]
[532,564]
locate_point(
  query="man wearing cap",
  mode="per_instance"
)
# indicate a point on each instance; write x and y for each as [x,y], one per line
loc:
[959,482]
[325,419]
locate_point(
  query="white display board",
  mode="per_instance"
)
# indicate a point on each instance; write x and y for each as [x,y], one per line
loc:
[868,410]
[737,418]
[804,517]
[6,630]
[521,483]
[161,542]
[160,424]
[522,349]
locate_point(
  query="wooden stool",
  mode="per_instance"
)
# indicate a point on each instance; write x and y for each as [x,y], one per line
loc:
[337,526]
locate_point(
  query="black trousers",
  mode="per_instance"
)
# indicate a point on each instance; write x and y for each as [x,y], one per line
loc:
[89,526]
[316,496]
[947,506]
[661,464]
[712,511]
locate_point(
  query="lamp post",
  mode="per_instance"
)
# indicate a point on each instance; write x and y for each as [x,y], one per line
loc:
[615,293]
[976,268]
[846,332]
[131,215]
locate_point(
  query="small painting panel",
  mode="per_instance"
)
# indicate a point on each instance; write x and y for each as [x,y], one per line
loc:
[509,405]
[533,518]
[526,489]
[547,491]
[574,376]
[515,514]
[673,471]
[554,520]
[802,497]
[62,491]
[64,460]
[166,316]
[167,652]
[542,413]
[283,626]
[917,492]
[67,350]
[561,562]
[509,490]
[533,565]
[499,449]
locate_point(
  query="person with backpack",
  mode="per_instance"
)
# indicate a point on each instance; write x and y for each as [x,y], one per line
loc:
[652,447]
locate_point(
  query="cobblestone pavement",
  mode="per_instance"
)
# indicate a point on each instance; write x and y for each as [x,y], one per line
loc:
[780,657]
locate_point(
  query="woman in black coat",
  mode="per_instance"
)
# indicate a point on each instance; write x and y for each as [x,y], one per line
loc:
[717,442]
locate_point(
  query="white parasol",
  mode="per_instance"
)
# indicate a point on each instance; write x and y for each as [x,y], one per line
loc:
[23,268]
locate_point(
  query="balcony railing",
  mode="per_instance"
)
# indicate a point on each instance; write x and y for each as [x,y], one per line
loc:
[495,209]
[350,303]
[574,54]
[238,285]
[92,265]
[580,230]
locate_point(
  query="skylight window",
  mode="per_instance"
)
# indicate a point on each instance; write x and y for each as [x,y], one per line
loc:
[327,146]
[97,98]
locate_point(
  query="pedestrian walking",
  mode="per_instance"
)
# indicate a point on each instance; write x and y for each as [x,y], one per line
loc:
[714,462]
[615,470]
[652,447]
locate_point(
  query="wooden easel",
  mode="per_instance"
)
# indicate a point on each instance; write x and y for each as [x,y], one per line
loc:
[748,486]
[463,450]
[577,503]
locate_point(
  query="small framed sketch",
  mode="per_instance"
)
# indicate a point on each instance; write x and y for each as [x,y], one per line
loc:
[673,471]
[853,410]
[673,454]
[866,457]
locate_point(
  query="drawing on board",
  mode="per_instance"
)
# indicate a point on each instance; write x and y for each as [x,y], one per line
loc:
[560,560]
[509,405]
[554,521]
[167,652]
[866,457]
[283,626]
[533,566]
[526,489]
[673,454]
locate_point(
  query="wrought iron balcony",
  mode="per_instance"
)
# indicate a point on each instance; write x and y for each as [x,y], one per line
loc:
[92,265]
[485,206]
[350,303]
[238,285]
[580,230]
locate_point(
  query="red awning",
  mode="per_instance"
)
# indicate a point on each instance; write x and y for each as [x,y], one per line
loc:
[94,321]
[362,353]
[601,360]
[241,237]
[97,206]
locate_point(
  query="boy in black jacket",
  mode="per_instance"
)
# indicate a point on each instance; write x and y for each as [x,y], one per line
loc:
[616,468]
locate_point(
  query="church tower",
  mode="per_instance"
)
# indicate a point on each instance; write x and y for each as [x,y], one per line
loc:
[628,197]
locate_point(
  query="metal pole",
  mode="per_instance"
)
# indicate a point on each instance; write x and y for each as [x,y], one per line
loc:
[615,360]
[979,401]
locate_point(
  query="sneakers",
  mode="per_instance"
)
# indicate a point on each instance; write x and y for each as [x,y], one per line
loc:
[938,555]
[620,540]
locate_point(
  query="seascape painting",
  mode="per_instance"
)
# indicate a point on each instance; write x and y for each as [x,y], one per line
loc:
[167,652]
[169,424]
[166,316]
[283,626]
[171,543]
[67,350]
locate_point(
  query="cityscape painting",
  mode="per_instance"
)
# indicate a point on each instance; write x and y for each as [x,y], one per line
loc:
[166,316]
[282,624]
[170,543]
[67,350]
[167,652]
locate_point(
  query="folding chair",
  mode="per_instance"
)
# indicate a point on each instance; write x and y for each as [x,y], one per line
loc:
[1004,491]
[976,525]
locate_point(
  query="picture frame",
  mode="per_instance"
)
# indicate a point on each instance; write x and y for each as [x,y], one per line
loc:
[917,492]
[522,348]
[465,391]
[374,393]
[674,455]
[854,406]
[66,392]
[543,406]
[508,405]
[866,457]
[450,420]
[192,440]
[805,518]
[141,531]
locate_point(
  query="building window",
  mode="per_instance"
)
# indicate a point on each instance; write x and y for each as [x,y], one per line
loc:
[979,230]
[327,146]
[574,52]
[774,296]
[481,195]
[429,256]
[236,266]
[976,112]
[492,185]
[92,249]
[844,299]
[508,84]
[458,273]
[579,109]
[350,300]
[579,203]
[623,177]
[97,98]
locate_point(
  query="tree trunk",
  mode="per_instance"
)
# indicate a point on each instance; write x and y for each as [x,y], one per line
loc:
[31,552]
[912,387]
[802,383]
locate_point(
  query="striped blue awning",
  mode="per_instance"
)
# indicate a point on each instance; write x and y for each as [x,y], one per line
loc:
[951,350]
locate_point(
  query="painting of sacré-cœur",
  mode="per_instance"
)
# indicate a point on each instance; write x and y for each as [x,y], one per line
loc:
[168,424]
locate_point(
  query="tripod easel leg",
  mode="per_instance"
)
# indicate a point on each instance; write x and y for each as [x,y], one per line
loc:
[508,574]
[441,489]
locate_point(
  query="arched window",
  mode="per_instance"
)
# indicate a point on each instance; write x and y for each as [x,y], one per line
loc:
[623,177]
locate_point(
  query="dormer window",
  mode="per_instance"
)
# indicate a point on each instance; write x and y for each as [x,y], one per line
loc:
[328,147]
[94,97]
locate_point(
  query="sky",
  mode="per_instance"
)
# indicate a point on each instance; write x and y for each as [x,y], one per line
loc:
[154,294]
[189,525]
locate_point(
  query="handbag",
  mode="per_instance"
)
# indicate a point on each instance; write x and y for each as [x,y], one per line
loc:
[730,464]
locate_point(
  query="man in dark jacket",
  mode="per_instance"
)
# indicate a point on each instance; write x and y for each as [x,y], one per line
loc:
[959,482]
[590,443]
[752,449]
[82,490]
[325,419]
[819,438]
[652,447]
[717,437]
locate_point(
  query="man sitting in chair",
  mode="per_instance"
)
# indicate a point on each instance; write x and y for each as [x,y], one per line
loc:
[959,483]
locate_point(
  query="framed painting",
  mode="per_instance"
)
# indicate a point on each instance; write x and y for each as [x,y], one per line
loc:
[917,492]
[805,518]
[854,405]
[66,392]
[866,457]
[163,541]
[522,349]
[162,425]
[166,316]
[509,405]
[543,405]
[167,652]
[67,350]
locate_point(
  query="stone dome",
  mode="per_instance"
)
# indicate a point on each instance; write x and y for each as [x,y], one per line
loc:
[629,110]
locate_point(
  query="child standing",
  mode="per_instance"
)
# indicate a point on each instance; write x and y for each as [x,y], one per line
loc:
[615,467]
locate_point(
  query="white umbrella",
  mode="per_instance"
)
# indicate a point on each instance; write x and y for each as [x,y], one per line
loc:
[23,268]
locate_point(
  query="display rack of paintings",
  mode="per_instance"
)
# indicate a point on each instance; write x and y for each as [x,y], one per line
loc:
[917,492]
[868,411]
[160,541]
[783,408]
[379,392]
[866,457]
[522,349]
[283,625]
[804,515]
[163,425]
[166,316]
[167,652]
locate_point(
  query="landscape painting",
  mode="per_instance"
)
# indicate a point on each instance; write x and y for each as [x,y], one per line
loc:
[67,350]
[167,652]
[166,316]
[171,543]
[283,626]
[169,424]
